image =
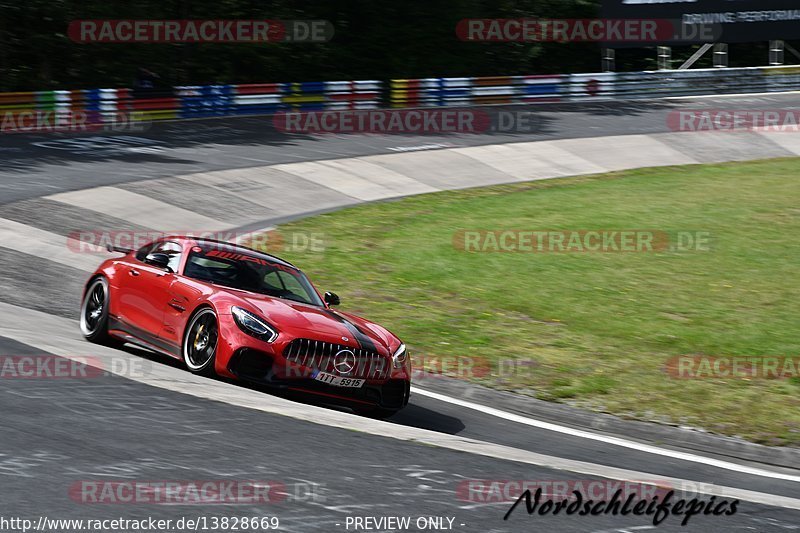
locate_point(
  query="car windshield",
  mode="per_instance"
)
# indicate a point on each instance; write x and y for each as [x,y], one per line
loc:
[234,268]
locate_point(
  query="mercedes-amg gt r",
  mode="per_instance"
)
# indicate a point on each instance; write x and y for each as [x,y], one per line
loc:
[232,311]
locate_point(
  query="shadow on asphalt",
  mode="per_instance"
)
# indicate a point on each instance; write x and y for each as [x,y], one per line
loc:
[423,418]
[412,415]
[26,151]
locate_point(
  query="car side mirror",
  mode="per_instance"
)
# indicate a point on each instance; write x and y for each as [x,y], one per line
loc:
[331,298]
[159,260]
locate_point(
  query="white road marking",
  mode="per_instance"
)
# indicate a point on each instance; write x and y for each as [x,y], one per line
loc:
[616,441]
[63,339]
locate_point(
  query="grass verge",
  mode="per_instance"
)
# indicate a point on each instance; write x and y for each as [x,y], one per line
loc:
[592,329]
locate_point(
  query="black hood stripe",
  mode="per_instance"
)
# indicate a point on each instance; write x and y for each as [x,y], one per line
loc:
[363,340]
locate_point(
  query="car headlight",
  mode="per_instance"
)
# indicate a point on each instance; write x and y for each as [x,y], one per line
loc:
[400,356]
[253,325]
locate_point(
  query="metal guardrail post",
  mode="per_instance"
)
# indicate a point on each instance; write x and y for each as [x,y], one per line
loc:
[664,57]
[609,60]
[720,55]
[776,53]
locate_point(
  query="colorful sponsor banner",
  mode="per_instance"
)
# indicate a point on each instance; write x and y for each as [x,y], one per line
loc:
[61,111]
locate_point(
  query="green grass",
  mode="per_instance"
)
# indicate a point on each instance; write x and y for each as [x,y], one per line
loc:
[596,328]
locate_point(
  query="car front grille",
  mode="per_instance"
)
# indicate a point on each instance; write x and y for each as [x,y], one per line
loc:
[319,355]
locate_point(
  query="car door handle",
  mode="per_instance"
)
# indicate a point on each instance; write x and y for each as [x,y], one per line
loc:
[133,272]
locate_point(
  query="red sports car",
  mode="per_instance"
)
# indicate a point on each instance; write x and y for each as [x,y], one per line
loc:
[232,311]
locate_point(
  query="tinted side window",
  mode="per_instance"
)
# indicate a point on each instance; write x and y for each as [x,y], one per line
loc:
[206,269]
[172,249]
[144,250]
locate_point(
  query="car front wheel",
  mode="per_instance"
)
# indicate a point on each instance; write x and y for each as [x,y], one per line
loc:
[200,342]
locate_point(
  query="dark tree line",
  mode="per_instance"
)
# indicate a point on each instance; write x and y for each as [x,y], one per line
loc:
[374,40]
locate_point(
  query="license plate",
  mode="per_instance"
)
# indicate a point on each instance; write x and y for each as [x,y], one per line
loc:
[338,381]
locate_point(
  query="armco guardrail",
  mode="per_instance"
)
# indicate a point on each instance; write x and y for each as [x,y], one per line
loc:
[706,81]
[269,98]
[596,86]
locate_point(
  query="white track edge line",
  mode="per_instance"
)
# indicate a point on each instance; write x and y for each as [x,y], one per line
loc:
[616,441]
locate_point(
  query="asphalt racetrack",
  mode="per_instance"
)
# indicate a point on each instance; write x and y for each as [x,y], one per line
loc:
[166,424]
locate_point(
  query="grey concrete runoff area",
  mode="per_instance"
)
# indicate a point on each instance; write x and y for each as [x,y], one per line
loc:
[149,420]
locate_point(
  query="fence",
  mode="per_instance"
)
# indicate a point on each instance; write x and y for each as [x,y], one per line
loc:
[268,98]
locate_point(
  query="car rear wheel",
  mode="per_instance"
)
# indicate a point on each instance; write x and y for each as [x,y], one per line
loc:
[94,312]
[200,342]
